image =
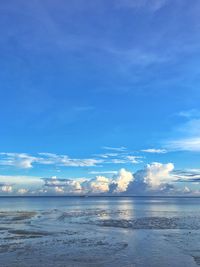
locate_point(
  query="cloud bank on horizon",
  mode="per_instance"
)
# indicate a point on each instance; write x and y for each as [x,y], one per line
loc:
[154,179]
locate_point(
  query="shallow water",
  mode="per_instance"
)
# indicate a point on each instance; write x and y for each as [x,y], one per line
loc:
[99,231]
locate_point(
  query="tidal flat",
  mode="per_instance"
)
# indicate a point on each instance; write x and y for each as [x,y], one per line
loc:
[107,232]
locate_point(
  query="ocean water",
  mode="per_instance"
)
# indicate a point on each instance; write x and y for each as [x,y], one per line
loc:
[99,231]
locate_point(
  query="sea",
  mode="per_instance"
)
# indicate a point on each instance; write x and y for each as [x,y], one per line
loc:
[99,231]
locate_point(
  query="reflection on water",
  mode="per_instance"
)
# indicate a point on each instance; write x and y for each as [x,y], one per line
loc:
[99,231]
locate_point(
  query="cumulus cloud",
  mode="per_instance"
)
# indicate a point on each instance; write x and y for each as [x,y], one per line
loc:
[59,189]
[6,188]
[22,191]
[154,179]
[121,181]
[155,174]
[99,184]
[62,185]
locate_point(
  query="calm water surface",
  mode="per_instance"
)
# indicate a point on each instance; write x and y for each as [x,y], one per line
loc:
[99,231]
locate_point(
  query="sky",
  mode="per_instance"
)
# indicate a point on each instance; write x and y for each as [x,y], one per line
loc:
[100,97]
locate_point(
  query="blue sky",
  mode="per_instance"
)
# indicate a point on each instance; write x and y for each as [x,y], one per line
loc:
[92,87]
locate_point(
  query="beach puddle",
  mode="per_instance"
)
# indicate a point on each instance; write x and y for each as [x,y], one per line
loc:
[153,223]
[101,237]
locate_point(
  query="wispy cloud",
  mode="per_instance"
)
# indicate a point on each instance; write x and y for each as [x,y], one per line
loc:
[151,5]
[20,180]
[188,114]
[187,133]
[103,172]
[119,149]
[134,159]
[154,151]
[25,161]
[107,155]
[185,144]
[189,176]
[119,155]
[136,57]
[125,159]
[20,160]
[64,160]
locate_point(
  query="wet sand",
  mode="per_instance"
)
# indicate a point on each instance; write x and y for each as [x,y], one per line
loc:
[98,237]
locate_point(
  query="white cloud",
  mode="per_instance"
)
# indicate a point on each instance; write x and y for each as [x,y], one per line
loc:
[125,159]
[6,188]
[107,155]
[19,160]
[64,160]
[194,170]
[153,175]
[103,172]
[122,180]
[99,184]
[59,189]
[134,159]
[187,133]
[20,179]
[188,175]
[65,185]
[25,161]
[117,161]
[22,191]
[185,144]
[119,149]
[154,151]
[154,178]
[79,162]
[186,190]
